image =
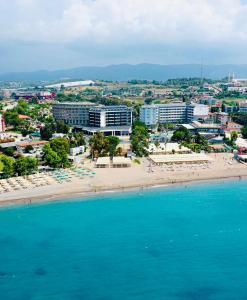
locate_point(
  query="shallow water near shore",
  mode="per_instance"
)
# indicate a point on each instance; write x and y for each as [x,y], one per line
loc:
[186,242]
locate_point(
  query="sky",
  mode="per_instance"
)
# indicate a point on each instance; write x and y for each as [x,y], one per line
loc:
[60,34]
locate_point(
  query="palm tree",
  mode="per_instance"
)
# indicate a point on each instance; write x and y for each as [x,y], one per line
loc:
[97,144]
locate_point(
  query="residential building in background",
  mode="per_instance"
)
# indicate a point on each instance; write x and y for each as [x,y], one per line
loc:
[201,112]
[6,93]
[218,118]
[230,108]
[208,101]
[42,95]
[243,107]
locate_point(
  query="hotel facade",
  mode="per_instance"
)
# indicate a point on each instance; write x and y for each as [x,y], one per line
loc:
[167,113]
[111,120]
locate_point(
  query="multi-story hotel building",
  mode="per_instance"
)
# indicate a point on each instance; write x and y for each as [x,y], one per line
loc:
[167,113]
[109,116]
[72,113]
[116,120]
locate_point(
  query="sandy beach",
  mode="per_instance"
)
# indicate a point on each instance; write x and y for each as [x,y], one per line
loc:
[138,176]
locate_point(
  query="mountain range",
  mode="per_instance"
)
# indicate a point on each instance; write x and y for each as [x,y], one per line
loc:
[125,72]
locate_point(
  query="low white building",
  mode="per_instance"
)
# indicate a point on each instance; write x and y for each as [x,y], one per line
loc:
[192,158]
[168,148]
[77,150]
[58,135]
[71,84]
[201,111]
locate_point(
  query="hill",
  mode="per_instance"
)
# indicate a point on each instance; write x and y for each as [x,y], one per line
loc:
[125,72]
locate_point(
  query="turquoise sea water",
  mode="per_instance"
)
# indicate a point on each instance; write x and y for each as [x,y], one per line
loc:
[167,243]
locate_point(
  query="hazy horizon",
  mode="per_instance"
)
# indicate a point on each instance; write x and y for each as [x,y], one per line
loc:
[199,65]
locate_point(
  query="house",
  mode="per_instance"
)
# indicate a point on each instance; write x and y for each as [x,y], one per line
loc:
[232,126]
[35,146]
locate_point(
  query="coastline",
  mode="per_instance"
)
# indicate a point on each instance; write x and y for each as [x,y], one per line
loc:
[86,195]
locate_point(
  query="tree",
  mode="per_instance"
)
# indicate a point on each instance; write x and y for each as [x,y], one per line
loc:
[148,101]
[61,147]
[234,136]
[112,143]
[76,139]
[28,148]
[97,144]
[139,139]
[182,134]
[25,165]
[60,144]
[8,166]
[244,131]
[9,151]
[32,165]
[61,127]
[12,118]
[22,107]
[47,131]
[200,139]
[51,158]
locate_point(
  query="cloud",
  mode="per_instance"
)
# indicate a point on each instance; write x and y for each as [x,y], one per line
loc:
[63,33]
[123,22]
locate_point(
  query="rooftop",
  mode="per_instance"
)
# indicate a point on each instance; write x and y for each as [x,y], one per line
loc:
[120,160]
[168,148]
[74,103]
[241,143]
[197,124]
[180,158]
[34,143]
[166,105]
[102,129]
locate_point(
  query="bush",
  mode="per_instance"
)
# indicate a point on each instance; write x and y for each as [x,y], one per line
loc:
[137,161]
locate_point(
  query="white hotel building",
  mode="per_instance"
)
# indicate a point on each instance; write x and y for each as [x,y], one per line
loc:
[175,113]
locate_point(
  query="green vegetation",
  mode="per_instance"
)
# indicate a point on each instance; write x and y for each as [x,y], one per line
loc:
[112,143]
[28,149]
[137,161]
[103,146]
[25,165]
[52,127]
[194,142]
[167,126]
[139,139]
[20,166]
[182,135]
[8,151]
[56,153]
[76,139]
[8,168]
[244,132]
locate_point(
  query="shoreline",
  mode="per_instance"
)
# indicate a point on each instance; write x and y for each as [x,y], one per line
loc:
[84,194]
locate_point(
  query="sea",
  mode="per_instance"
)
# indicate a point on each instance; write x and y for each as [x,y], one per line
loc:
[170,243]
